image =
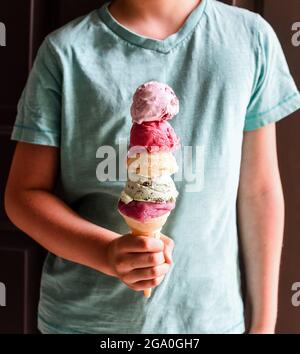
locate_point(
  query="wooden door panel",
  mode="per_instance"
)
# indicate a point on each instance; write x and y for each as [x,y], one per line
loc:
[20,258]
[25,27]
[282,16]
[252,5]
[14,58]
[20,272]
[64,11]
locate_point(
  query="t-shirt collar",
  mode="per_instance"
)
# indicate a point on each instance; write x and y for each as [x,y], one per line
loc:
[164,45]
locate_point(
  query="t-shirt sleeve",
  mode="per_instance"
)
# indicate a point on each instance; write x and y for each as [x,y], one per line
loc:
[38,119]
[275,94]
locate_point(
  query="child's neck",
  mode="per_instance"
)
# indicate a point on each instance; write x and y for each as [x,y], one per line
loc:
[153,18]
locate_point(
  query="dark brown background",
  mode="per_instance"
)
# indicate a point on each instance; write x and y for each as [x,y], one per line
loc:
[27,22]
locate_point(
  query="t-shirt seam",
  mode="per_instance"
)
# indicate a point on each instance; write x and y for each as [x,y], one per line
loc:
[129,44]
[21,126]
[188,36]
[281,103]
[50,45]
[161,51]
[258,53]
[193,31]
[258,49]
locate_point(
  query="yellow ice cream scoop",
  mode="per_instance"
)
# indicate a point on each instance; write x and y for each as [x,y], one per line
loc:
[152,165]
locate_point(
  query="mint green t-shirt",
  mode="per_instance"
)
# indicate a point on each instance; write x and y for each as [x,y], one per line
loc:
[229,72]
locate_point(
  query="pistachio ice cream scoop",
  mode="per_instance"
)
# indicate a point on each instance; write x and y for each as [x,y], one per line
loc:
[159,190]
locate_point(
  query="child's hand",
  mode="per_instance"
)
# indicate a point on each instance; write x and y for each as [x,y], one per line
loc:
[140,262]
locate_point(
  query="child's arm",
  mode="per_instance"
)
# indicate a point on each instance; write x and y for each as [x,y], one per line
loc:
[32,206]
[261,220]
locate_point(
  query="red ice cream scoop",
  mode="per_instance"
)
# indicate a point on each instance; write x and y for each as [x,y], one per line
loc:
[154,136]
[143,211]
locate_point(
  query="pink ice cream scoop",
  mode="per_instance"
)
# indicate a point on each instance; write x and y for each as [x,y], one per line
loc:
[154,101]
[154,136]
[143,211]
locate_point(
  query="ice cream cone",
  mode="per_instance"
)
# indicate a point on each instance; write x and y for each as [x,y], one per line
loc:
[150,228]
[150,192]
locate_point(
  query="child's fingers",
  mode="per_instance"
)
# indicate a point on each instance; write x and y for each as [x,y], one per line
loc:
[132,261]
[129,243]
[146,284]
[168,248]
[145,274]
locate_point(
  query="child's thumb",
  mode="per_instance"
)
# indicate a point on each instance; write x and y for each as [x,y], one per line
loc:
[169,247]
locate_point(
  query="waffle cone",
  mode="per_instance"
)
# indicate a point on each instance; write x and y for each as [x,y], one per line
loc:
[149,228]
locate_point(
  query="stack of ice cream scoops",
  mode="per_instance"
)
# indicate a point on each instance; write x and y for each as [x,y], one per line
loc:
[150,193]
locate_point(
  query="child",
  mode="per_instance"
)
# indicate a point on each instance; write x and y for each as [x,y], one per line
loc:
[228,70]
